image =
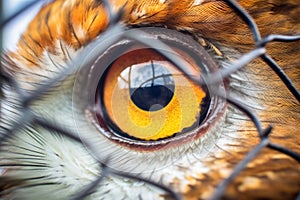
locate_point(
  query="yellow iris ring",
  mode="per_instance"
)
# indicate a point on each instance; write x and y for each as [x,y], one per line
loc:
[181,112]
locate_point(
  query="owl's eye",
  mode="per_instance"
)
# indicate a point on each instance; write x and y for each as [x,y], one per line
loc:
[139,97]
[145,97]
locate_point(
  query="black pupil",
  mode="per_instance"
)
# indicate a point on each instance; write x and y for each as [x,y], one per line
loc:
[151,86]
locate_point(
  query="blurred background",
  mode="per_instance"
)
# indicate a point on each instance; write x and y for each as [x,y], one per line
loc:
[12,31]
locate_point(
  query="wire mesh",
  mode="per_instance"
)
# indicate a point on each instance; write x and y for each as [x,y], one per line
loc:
[28,117]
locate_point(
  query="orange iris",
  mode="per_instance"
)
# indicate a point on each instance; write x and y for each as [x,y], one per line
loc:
[148,98]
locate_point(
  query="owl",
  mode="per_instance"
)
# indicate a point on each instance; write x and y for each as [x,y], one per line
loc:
[153,99]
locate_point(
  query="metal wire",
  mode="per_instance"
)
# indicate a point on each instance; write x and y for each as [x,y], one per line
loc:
[115,27]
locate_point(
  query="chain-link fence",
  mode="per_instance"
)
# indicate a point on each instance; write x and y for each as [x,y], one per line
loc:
[28,117]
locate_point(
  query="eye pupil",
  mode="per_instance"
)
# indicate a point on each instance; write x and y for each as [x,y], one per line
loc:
[157,91]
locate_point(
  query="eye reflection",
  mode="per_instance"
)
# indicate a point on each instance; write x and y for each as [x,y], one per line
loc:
[145,97]
[151,85]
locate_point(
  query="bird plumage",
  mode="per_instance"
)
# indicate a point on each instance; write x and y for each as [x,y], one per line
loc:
[62,30]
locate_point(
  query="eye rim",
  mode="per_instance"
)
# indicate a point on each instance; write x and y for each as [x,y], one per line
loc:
[171,38]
